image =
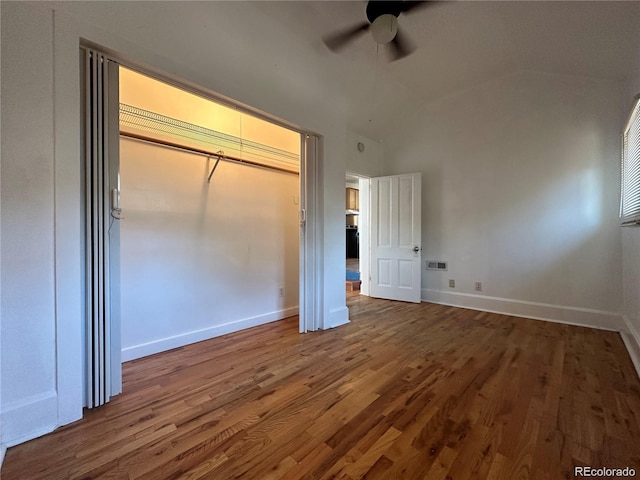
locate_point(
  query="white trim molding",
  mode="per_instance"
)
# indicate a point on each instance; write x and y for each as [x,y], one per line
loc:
[337,317]
[582,317]
[631,338]
[163,344]
[29,418]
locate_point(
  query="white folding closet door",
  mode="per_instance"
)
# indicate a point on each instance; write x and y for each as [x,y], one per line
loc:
[309,303]
[101,145]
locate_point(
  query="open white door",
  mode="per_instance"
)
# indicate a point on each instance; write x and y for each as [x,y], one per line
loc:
[396,250]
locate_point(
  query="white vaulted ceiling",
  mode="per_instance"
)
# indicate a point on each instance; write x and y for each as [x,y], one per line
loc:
[462,44]
[459,45]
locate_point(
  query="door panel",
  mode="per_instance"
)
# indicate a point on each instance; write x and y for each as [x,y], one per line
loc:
[309,304]
[383,202]
[405,273]
[103,367]
[396,237]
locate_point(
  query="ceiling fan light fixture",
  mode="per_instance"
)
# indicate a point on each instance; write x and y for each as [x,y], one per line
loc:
[384,28]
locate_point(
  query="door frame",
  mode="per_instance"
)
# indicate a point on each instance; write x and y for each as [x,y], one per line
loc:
[364,228]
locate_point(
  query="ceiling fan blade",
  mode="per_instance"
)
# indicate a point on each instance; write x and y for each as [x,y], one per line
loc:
[414,6]
[336,41]
[401,46]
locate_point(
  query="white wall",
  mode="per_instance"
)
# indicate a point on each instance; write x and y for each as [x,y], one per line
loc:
[3,447]
[368,163]
[41,301]
[202,259]
[520,192]
[26,258]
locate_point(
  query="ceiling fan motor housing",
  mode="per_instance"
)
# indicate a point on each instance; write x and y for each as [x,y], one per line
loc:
[383,16]
[382,21]
[384,28]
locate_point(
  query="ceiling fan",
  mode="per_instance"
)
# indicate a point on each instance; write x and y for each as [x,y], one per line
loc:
[382,16]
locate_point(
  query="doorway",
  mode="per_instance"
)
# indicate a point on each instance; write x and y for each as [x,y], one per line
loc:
[352,240]
[357,225]
[389,236]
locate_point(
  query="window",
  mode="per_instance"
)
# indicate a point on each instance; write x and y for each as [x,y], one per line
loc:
[630,188]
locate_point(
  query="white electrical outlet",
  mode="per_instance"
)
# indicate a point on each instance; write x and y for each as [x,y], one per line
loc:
[478,286]
[452,283]
[282,291]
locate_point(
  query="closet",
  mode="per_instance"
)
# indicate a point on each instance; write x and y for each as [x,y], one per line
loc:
[210,229]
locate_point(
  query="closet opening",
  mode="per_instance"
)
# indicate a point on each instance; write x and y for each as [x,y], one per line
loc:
[201,216]
[210,199]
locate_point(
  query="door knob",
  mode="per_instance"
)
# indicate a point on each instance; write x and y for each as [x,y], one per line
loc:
[416,248]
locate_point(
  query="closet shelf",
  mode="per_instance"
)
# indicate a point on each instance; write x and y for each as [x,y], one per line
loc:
[137,121]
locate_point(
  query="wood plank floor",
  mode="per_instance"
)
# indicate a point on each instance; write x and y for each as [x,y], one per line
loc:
[403,392]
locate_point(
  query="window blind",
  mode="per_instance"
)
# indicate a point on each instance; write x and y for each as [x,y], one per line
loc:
[630,178]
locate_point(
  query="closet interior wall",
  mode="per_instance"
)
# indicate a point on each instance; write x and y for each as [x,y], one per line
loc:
[200,259]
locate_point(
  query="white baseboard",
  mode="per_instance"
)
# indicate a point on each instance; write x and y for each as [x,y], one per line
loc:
[29,418]
[582,317]
[163,344]
[337,317]
[631,338]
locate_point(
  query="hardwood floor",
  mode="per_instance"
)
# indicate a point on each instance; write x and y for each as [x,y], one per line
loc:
[404,391]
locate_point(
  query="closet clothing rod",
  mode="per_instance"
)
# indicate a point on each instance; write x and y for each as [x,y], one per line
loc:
[215,165]
[205,153]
